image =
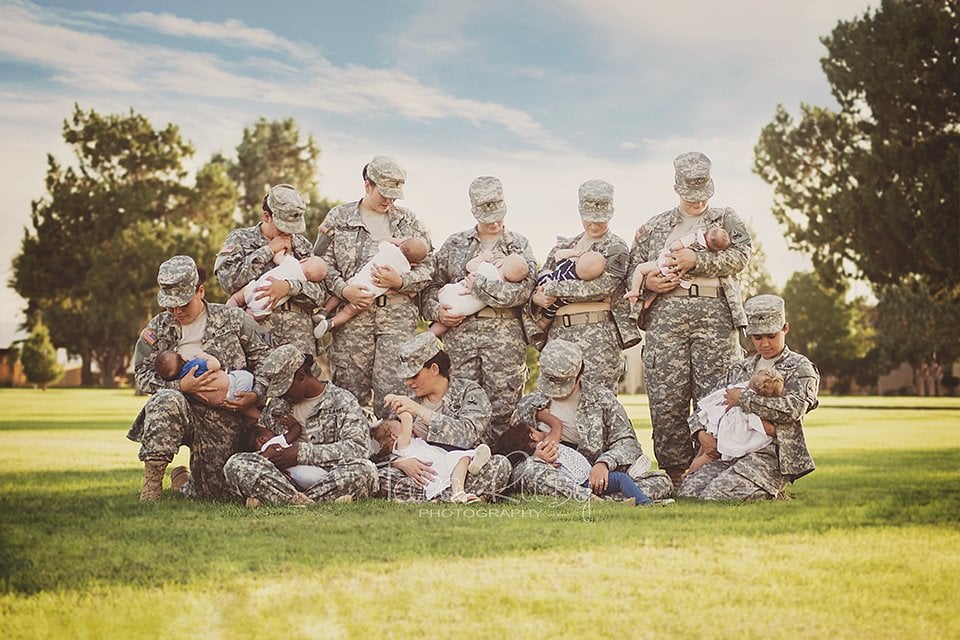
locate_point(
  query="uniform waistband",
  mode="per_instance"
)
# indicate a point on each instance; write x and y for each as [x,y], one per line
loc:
[696,291]
[389,299]
[290,305]
[587,317]
[581,307]
[490,312]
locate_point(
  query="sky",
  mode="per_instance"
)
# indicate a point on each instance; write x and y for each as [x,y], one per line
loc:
[543,94]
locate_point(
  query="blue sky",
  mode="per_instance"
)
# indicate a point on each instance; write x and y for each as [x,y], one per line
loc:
[542,94]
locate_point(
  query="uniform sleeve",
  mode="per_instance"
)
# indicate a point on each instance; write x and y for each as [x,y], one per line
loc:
[335,281]
[353,430]
[429,302]
[144,356]
[505,295]
[463,430]
[623,448]
[234,267]
[731,260]
[526,412]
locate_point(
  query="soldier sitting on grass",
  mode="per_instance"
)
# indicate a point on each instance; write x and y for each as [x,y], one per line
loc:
[226,385]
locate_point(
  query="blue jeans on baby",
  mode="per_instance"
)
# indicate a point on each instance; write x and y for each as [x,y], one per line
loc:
[618,481]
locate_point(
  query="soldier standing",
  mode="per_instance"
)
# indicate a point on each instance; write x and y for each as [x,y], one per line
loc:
[249,252]
[762,474]
[450,412]
[363,352]
[595,316]
[171,418]
[593,422]
[488,347]
[334,438]
[690,333]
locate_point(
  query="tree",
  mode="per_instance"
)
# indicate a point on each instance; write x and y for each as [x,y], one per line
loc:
[39,357]
[825,327]
[272,153]
[871,190]
[913,327]
[755,279]
[89,262]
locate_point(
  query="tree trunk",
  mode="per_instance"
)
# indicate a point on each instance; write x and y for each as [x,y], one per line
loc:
[86,371]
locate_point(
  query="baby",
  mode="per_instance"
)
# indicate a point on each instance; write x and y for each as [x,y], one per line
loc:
[457,297]
[570,462]
[737,433]
[313,269]
[260,439]
[572,264]
[712,239]
[394,435]
[399,254]
[170,366]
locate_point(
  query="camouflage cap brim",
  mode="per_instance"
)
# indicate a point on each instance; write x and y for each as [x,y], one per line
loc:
[555,387]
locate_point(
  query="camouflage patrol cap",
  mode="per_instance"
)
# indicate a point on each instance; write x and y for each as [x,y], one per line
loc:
[560,364]
[279,368]
[287,206]
[694,183]
[486,199]
[596,201]
[178,280]
[765,314]
[388,176]
[415,353]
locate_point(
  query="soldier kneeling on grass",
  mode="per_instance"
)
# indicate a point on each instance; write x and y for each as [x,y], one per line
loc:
[333,439]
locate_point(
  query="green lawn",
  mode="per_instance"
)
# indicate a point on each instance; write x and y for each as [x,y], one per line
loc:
[870,547]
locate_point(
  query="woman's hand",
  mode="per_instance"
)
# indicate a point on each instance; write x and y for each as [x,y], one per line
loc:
[684,260]
[659,283]
[403,404]
[708,442]
[358,295]
[385,276]
[541,299]
[281,243]
[200,384]
[276,291]
[420,472]
[599,475]
[731,397]
[448,319]
[243,400]
[547,450]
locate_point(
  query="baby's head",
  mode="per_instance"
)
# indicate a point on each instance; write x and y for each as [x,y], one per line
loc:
[514,268]
[717,239]
[384,433]
[314,268]
[168,365]
[414,249]
[254,439]
[519,437]
[767,382]
[591,265]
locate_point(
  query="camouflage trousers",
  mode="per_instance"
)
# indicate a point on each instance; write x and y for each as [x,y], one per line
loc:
[250,475]
[168,421]
[286,326]
[690,342]
[755,476]
[490,482]
[602,359]
[492,353]
[364,353]
[534,477]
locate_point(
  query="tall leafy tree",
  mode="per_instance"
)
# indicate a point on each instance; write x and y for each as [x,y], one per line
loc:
[89,260]
[272,152]
[755,279]
[825,327]
[871,190]
[39,357]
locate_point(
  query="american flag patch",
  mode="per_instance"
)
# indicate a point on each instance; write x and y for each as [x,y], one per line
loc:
[227,249]
[325,227]
[149,336]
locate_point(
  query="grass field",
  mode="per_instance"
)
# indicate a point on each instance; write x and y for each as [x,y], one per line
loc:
[870,547]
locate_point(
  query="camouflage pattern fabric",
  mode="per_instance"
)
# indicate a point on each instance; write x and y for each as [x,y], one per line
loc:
[767,471]
[169,419]
[689,341]
[606,435]
[334,438]
[601,342]
[461,422]
[489,351]
[363,352]
[244,257]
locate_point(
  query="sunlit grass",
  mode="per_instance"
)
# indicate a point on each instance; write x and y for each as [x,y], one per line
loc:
[870,547]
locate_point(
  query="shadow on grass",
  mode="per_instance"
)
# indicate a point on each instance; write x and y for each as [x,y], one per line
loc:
[73,530]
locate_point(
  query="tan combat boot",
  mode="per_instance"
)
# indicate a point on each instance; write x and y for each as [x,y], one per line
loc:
[179,477]
[152,480]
